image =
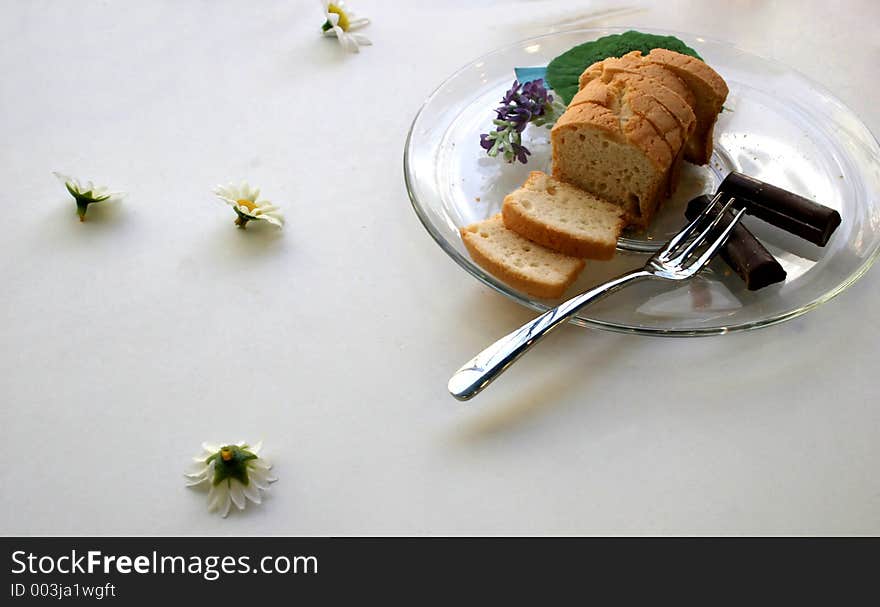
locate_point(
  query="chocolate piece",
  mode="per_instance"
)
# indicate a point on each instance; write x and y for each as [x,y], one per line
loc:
[796,214]
[742,251]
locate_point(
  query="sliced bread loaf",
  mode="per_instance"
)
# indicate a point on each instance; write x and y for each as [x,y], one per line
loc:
[615,154]
[563,218]
[673,103]
[688,77]
[633,63]
[664,109]
[710,92]
[619,92]
[519,262]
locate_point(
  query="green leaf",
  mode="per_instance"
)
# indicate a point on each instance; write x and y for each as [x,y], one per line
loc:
[565,70]
[73,192]
[235,467]
[85,198]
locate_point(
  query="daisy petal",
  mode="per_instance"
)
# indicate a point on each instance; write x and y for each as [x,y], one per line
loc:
[252,493]
[361,39]
[259,481]
[259,473]
[236,492]
[65,179]
[215,496]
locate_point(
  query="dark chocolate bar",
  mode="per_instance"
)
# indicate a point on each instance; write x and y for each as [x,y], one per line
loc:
[781,208]
[742,251]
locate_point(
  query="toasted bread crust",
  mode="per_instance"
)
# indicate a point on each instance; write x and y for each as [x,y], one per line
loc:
[680,109]
[504,270]
[635,130]
[710,92]
[681,76]
[643,91]
[517,218]
[633,63]
[691,65]
[632,93]
[547,236]
[596,115]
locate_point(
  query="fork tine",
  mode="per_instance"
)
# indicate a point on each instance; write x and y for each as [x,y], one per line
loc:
[701,238]
[703,259]
[689,229]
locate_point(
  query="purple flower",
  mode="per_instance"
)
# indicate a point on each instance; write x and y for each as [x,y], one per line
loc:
[536,92]
[518,116]
[522,104]
[521,152]
[511,95]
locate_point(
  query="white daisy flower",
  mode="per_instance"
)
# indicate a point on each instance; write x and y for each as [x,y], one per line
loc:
[85,193]
[247,204]
[341,21]
[236,473]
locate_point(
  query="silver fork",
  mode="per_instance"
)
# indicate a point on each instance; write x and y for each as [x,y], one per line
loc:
[677,260]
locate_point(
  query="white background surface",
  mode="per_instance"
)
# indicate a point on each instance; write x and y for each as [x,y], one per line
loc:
[155,325]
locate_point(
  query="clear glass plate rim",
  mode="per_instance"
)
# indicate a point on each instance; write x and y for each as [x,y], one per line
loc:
[501,288]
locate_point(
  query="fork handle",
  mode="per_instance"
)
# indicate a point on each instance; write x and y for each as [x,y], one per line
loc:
[486,366]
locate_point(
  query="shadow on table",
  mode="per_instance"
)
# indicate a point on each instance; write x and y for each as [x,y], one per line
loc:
[99,216]
[227,243]
[546,390]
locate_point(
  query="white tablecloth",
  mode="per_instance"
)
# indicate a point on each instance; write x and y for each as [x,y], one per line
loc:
[130,339]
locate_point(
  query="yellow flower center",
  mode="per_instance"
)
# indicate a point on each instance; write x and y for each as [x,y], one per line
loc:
[226,454]
[248,204]
[343,18]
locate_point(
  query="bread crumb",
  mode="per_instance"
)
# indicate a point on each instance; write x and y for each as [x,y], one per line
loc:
[477,199]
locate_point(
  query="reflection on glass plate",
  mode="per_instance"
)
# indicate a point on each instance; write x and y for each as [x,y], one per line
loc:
[777,126]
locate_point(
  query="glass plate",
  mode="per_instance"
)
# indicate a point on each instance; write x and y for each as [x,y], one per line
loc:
[778,126]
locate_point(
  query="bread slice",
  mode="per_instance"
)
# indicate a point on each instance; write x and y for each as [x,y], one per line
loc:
[615,154]
[521,263]
[710,92]
[562,217]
